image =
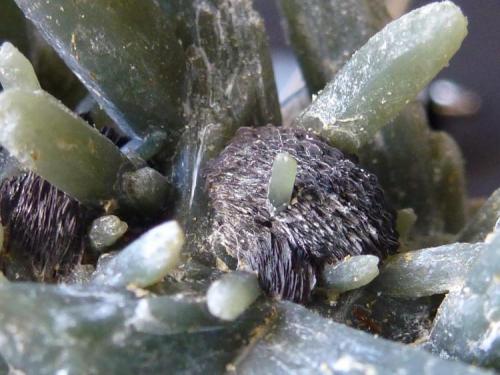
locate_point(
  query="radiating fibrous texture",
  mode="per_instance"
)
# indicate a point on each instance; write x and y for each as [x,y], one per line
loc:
[232,294]
[146,260]
[48,139]
[385,75]
[426,272]
[337,209]
[324,34]
[483,221]
[132,63]
[467,325]
[419,169]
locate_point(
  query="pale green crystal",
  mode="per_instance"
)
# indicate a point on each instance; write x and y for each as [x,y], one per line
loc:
[146,260]
[15,70]
[405,222]
[324,34]
[352,273]
[296,340]
[231,295]
[282,181]
[419,169]
[483,222]
[426,272]
[105,231]
[47,138]
[385,75]
[467,325]
[126,54]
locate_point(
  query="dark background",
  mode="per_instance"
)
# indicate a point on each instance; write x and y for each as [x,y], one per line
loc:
[476,66]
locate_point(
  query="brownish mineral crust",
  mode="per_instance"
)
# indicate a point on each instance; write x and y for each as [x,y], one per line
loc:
[337,209]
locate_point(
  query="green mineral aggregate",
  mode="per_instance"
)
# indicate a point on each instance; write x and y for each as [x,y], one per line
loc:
[145,261]
[352,273]
[47,138]
[229,35]
[145,191]
[467,326]
[45,329]
[16,72]
[232,294]
[484,221]
[299,341]
[449,179]
[324,34]
[282,181]
[419,169]
[425,272]
[105,231]
[132,63]
[385,75]
[49,329]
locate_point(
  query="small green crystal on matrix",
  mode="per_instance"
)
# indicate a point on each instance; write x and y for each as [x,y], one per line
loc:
[385,75]
[282,181]
[352,273]
[105,231]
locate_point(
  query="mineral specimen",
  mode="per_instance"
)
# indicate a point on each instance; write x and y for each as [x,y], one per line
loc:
[484,220]
[105,231]
[282,181]
[337,209]
[230,296]
[146,260]
[351,273]
[385,75]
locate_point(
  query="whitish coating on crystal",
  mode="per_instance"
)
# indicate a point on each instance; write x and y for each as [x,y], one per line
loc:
[46,137]
[282,181]
[430,271]
[230,296]
[106,230]
[15,70]
[467,325]
[484,220]
[146,260]
[352,273]
[385,75]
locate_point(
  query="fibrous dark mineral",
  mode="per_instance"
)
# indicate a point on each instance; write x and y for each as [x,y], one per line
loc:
[46,225]
[337,209]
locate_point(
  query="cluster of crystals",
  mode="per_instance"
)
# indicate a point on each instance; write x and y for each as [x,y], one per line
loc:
[153,306]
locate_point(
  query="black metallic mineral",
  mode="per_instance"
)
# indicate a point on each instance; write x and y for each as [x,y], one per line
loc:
[337,209]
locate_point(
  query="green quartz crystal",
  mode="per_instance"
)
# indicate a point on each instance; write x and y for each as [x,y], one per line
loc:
[420,169]
[352,273]
[467,325]
[426,272]
[15,70]
[483,222]
[97,331]
[105,231]
[126,54]
[146,260]
[385,75]
[230,296]
[282,181]
[324,34]
[229,35]
[47,138]
[298,341]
